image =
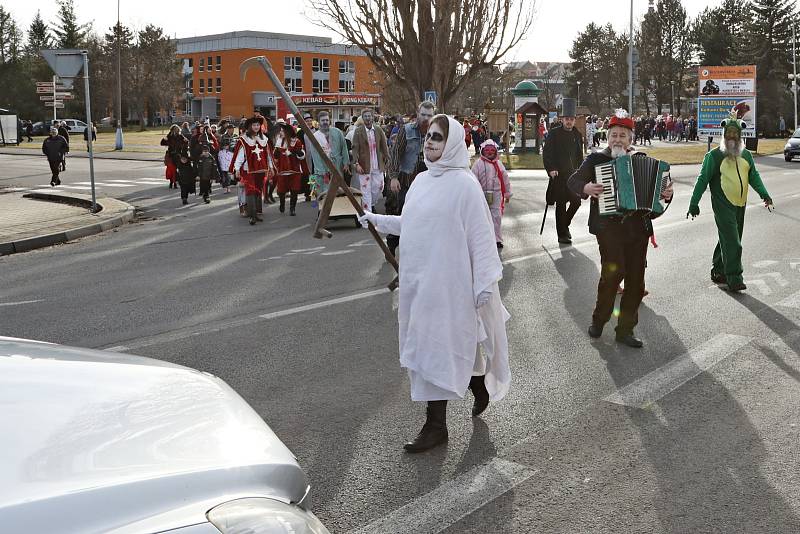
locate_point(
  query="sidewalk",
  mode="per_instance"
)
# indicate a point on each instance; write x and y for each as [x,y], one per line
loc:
[82,153]
[41,218]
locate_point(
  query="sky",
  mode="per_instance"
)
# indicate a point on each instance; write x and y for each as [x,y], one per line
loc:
[556,26]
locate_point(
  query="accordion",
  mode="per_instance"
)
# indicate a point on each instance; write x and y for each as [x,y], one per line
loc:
[632,184]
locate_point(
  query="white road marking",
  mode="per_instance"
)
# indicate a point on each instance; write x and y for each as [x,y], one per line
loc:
[761,285]
[452,501]
[794,265]
[764,263]
[118,348]
[336,253]
[362,243]
[20,302]
[792,301]
[325,303]
[778,278]
[304,250]
[667,378]
[78,187]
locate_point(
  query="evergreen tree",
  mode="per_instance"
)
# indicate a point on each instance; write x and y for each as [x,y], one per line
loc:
[767,45]
[38,36]
[68,33]
[717,34]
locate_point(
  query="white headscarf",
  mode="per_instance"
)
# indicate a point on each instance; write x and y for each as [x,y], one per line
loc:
[454,155]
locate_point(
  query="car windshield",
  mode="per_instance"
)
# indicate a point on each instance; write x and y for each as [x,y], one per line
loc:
[796,133]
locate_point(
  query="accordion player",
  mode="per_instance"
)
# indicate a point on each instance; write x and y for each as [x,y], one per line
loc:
[632,183]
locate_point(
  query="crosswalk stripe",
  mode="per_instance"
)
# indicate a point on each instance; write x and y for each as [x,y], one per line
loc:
[667,378]
[762,286]
[792,301]
[454,500]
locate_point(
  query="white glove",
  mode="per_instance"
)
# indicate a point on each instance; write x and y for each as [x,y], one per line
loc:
[367,218]
[483,298]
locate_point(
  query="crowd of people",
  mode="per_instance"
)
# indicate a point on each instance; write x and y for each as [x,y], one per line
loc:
[646,129]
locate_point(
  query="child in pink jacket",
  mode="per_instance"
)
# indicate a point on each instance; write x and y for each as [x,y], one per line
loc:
[493,177]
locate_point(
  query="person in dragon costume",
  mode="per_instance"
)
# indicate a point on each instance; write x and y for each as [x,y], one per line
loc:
[728,171]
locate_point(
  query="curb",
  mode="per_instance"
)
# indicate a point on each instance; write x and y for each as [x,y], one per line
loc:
[125,215]
[124,156]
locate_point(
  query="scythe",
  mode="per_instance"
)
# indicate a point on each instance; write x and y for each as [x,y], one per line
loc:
[337,181]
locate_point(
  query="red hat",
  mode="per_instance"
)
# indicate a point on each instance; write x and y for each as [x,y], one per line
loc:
[621,118]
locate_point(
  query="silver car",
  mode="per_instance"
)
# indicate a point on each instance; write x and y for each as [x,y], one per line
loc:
[95,441]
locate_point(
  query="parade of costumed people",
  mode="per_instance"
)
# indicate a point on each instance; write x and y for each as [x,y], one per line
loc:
[622,239]
[288,154]
[449,298]
[493,177]
[252,162]
[562,154]
[728,171]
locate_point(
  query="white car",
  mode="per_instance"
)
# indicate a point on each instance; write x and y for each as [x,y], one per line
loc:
[96,441]
[75,126]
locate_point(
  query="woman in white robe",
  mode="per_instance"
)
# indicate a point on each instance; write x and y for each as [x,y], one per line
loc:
[449,300]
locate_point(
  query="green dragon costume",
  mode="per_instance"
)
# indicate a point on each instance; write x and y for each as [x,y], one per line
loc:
[729,176]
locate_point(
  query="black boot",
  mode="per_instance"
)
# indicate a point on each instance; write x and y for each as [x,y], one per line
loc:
[478,386]
[270,189]
[434,431]
[293,204]
[282,207]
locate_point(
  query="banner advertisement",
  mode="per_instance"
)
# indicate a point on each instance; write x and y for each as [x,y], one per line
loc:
[723,90]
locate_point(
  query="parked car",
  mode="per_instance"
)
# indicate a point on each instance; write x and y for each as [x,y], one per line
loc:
[792,148]
[96,441]
[41,128]
[75,125]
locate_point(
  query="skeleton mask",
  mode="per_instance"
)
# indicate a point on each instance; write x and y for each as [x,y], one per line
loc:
[434,143]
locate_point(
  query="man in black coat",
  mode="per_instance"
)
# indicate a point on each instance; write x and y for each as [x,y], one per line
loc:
[563,153]
[622,240]
[54,147]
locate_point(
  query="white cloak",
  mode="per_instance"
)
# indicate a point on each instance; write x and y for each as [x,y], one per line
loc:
[448,256]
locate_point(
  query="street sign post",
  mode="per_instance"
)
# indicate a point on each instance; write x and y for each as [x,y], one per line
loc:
[67,63]
[431,95]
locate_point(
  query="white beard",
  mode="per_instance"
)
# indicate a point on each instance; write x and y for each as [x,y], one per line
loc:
[732,149]
[617,152]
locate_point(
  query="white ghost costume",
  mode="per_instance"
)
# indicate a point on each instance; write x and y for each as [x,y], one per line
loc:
[448,256]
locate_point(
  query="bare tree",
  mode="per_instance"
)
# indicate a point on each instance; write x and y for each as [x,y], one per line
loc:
[429,44]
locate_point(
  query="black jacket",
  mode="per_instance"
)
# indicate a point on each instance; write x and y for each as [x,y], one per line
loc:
[635,225]
[207,168]
[563,152]
[54,148]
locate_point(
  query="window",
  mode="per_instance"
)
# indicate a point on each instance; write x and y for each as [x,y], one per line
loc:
[201,67]
[320,65]
[347,86]
[210,85]
[191,86]
[219,85]
[219,62]
[321,86]
[191,63]
[210,63]
[293,85]
[293,63]
[346,67]
[202,86]
[219,108]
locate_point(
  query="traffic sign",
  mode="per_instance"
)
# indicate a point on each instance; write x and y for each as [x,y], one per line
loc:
[44,84]
[431,95]
[59,96]
[58,105]
[40,89]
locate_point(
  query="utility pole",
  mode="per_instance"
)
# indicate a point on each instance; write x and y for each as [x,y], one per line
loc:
[794,67]
[630,65]
[118,144]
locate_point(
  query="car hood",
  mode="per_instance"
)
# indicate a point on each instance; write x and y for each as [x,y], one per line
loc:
[793,141]
[85,432]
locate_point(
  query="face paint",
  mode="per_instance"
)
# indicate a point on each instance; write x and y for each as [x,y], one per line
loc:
[424,116]
[434,143]
[367,118]
[490,152]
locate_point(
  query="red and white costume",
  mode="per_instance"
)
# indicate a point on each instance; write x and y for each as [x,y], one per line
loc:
[252,159]
[289,154]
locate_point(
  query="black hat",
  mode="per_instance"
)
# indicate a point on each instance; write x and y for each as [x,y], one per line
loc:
[250,121]
[568,107]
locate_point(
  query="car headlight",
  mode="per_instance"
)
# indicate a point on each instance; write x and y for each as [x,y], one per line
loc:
[263,516]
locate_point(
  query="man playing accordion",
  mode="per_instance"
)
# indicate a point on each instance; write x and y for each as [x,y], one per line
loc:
[622,239]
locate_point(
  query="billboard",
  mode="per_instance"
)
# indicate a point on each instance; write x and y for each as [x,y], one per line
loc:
[723,90]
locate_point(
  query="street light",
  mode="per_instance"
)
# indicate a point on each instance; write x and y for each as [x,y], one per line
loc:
[793,76]
[118,143]
[672,102]
[579,93]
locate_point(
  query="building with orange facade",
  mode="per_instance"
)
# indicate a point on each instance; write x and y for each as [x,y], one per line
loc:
[318,74]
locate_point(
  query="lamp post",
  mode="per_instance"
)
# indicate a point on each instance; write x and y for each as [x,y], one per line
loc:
[630,64]
[672,101]
[793,76]
[118,142]
[579,93]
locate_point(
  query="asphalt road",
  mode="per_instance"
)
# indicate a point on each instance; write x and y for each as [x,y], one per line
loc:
[697,432]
